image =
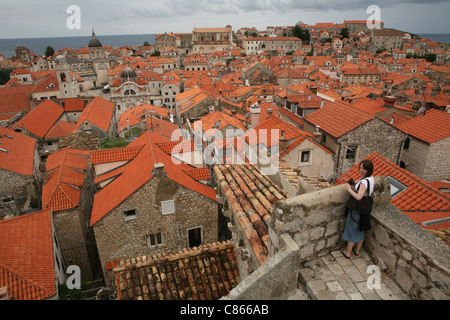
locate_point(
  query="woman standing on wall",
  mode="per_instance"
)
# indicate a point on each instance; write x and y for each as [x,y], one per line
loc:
[364,188]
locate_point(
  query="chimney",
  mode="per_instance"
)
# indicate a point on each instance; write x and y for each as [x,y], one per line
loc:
[389,101]
[317,135]
[269,112]
[282,143]
[158,169]
[313,89]
[255,111]
[233,113]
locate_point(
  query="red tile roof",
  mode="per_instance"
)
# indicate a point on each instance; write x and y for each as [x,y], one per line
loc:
[60,129]
[98,112]
[337,118]
[396,118]
[208,272]
[19,157]
[26,256]
[224,120]
[268,126]
[431,126]
[370,105]
[251,197]
[138,171]
[41,119]
[73,104]
[65,179]
[135,114]
[420,201]
[15,99]
[164,128]
[114,155]
[199,173]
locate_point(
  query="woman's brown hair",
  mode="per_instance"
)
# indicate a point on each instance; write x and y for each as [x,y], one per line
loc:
[368,165]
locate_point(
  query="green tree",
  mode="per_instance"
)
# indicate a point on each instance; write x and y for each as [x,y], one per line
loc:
[146,44]
[156,54]
[430,57]
[49,51]
[299,32]
[110,143]
[4,75]
[344,33]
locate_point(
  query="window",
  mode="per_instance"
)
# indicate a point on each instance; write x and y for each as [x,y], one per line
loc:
[305,156]
[155,239]
[130,215]
[8,200]
[350,154]
[194,237]
[168,207]
[406,145]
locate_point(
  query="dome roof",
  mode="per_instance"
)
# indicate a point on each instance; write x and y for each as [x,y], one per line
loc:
[128,73]
[60,59]
[94,42]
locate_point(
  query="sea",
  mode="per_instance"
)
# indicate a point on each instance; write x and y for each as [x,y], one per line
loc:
[39,45]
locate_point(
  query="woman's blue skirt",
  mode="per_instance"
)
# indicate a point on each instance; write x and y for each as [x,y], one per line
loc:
[351,232]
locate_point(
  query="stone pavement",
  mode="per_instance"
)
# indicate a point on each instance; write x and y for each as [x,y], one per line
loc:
[333,277]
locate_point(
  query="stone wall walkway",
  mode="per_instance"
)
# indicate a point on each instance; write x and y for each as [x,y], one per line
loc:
[333,277]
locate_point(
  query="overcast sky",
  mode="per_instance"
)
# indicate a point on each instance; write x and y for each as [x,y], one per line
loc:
[48,18]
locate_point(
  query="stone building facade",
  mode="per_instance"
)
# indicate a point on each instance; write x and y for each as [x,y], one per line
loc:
[20,177]
[386,39]
[207,40]
[255,45]
[16,192]
[140,225]
[352,146]
[428,161]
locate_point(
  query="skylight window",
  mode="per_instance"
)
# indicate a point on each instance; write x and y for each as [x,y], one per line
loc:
[396,187]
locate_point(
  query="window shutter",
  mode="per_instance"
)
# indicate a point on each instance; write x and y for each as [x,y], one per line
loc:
[168,207]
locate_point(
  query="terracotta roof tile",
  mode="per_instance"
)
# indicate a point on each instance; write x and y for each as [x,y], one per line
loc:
[251,197]
[199,173]
[114,155]
[135,115]
[73,104]
[60,129]
[66,174]
[27,265]
[266,128]
[41,119]
[217,117]
[15,99]
[337,118]
[207,272]
[98,112]
[19,157]
[430,127]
